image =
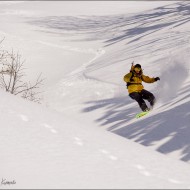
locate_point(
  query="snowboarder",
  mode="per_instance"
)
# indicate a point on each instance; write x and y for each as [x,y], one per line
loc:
[135,88]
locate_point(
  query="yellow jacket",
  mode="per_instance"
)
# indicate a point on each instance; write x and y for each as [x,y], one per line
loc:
[134,81]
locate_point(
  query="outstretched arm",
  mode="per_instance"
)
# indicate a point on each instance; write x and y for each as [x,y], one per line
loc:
[149,79]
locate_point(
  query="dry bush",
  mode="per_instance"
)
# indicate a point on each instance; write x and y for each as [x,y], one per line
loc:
[12,77]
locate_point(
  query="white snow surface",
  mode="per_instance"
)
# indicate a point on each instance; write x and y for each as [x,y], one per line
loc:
[84,135]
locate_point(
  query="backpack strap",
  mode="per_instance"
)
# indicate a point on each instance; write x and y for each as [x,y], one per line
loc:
[131,71]
[129,83]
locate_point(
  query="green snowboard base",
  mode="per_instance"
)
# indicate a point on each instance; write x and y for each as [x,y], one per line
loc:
[141,114]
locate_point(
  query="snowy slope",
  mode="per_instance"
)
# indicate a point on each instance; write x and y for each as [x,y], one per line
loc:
[158,39]
[44,149]
[84,53]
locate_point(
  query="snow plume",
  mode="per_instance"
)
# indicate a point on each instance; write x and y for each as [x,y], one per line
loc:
[173,75]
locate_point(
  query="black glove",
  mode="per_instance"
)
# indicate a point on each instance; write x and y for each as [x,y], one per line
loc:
[157,78]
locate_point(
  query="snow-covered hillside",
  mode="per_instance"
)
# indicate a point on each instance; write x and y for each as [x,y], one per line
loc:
[75,138]
[45,149]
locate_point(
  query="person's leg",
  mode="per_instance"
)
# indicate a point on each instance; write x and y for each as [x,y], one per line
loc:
[137,96]
[148,96]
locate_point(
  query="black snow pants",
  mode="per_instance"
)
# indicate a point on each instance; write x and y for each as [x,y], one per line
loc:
[141,96]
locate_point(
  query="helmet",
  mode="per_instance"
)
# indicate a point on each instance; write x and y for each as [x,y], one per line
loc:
[137,65]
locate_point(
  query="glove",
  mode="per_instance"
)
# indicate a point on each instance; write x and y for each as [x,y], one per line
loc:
[157,78]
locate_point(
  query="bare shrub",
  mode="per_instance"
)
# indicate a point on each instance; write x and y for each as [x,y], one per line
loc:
[12,77]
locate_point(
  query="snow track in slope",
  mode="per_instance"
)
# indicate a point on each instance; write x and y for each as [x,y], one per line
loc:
[76,88]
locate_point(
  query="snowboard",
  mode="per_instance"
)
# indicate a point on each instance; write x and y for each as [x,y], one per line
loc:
[141,114]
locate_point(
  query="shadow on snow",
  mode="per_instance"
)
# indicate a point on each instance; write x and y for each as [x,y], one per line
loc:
[169,128]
